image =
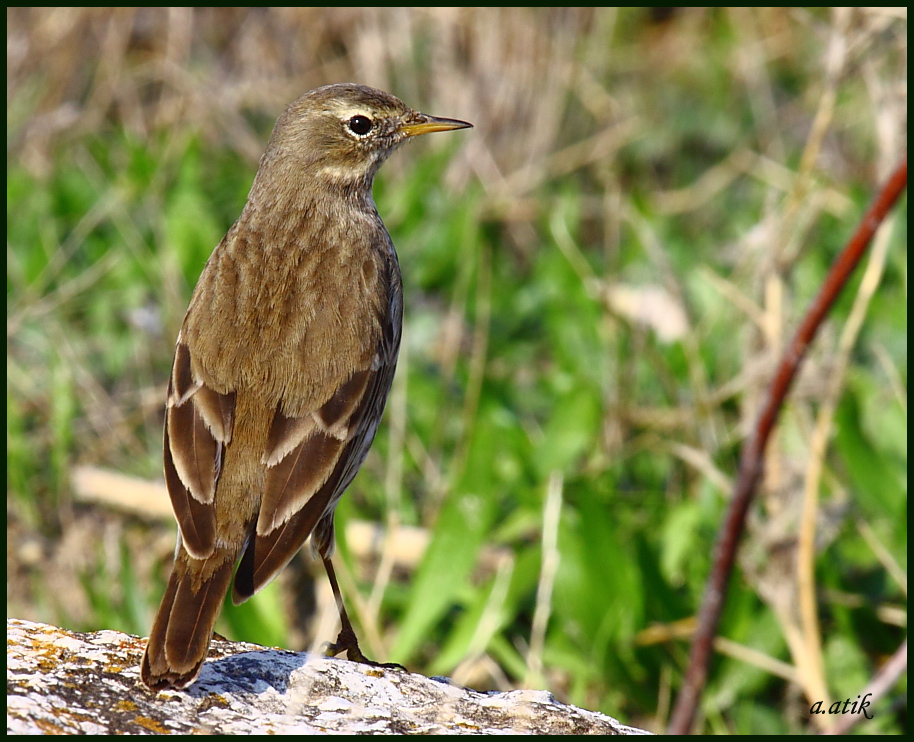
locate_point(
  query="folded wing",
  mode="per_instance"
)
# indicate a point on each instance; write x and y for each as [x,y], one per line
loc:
[198,427]
[311,460]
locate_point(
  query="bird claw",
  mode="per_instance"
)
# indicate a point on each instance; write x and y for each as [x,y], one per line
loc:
[354,654]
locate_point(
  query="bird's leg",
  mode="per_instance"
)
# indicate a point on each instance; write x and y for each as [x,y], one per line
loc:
[347,640]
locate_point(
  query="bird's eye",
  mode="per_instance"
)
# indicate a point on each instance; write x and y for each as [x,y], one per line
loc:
[360,125]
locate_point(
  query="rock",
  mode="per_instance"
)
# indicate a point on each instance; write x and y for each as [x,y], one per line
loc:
[64,682]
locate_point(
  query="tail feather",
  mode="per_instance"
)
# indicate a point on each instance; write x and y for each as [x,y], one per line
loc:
[183,627]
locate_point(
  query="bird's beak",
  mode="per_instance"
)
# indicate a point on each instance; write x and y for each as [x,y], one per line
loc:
[422,123]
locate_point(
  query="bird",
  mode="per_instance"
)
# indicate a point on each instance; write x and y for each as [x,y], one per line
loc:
[282,368]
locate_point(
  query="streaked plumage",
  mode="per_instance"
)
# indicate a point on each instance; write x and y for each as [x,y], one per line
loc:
[282,366]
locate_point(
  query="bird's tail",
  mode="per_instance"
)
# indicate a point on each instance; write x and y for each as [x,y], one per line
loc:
[183,627]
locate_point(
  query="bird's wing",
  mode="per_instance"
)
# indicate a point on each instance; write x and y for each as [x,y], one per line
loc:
[198,427]
[312,458]
[302,452]
[310,461]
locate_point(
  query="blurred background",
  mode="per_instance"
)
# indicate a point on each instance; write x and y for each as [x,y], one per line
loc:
[599,278]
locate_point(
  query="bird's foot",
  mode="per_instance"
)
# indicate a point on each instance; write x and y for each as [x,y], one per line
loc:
[347,642]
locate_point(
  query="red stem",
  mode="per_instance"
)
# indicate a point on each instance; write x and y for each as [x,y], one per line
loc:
[752,458]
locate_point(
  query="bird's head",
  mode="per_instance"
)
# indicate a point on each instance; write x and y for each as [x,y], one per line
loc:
[341,134]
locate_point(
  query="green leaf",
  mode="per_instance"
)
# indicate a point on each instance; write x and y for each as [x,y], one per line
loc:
[260,619]
[880,486]
[465,521]
[570,430]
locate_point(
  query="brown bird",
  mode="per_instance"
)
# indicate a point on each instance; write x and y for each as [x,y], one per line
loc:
[282,367]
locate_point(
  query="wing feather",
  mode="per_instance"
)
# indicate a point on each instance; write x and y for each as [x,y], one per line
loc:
[198,426]
[312,458]
[314,444]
